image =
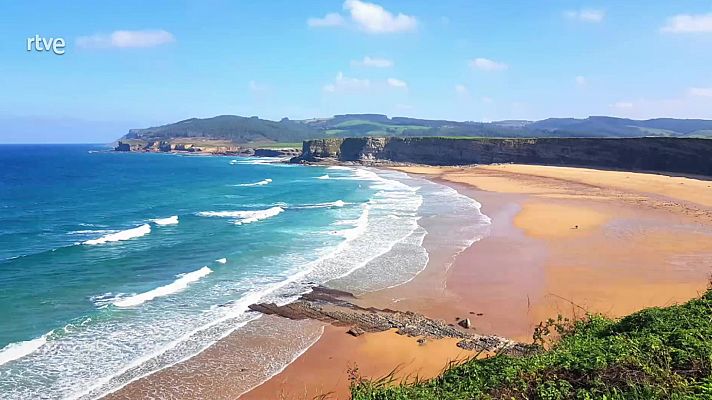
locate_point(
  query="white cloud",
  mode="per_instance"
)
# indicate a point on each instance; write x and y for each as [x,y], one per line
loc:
[700,92]
[127,39]
[688,23]
[581,81]
[586,15]
[331,19]
[368,17]
[397,83]
[487,100]
[372,18]
[346,84]
[461,90]
[372,62]
[485,64]
[623,105]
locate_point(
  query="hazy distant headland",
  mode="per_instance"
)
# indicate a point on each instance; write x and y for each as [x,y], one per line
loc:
[243,130]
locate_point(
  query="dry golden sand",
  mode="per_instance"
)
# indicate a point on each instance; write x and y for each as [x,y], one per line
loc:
[563,241]
[326,370]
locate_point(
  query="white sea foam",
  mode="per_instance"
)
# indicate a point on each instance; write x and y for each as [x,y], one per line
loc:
[14,351]
[90,232]
[173,220]
[323,177]
[259,215]
[244,217]
[103,300]
[233,162]
[221,260]
[340,167]
[176,286]
[264,161]
[260,183]
[337,203]
[127,234]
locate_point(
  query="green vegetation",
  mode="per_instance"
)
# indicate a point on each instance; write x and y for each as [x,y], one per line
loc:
[362,127]
[242,130]
[657,353]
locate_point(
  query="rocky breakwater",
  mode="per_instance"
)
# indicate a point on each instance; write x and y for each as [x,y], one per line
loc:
[680,155]
[337,308]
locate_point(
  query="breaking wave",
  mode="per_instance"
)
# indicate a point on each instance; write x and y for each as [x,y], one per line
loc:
[337,203]
[127,234]
[176,286]
[173,220]
[14,351]
[244,217]
[260,183]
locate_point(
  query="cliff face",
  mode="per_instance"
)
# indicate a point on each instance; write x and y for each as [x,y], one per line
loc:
[693,156]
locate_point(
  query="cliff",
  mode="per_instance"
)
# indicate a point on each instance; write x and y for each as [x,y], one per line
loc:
[691,156]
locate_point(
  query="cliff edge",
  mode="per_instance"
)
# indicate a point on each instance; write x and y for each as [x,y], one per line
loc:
[678,155]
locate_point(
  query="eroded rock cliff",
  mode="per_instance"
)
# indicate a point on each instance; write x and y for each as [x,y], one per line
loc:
[692,156]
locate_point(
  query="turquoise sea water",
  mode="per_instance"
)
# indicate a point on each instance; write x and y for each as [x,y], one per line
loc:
[113,265]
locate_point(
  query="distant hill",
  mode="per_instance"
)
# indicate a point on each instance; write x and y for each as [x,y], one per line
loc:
[229,127]
[621,127]
[255,130]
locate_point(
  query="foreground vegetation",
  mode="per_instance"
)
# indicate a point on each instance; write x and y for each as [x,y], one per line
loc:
[657,353]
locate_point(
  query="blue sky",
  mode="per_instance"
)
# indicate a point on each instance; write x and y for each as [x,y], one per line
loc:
[135,63]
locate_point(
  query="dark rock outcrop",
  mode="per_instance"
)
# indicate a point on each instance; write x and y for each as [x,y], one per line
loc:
[691,156]
[277,152]
[121,146]
[338,308]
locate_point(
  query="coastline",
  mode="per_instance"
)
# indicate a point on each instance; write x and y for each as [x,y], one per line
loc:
[526,270]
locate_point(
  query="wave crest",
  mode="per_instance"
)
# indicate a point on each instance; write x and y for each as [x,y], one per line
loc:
[173,220]
[127,234]
[244,217]
[260,183]
[337,203]
[176,286]
[14,351]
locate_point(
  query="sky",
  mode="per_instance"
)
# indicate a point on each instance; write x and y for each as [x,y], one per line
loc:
[133,64]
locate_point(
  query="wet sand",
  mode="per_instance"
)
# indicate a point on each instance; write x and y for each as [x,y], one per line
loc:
[562,241]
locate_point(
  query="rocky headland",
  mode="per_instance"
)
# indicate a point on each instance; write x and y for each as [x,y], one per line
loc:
[204,147]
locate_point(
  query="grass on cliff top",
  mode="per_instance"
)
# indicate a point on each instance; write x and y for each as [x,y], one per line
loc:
[657,353]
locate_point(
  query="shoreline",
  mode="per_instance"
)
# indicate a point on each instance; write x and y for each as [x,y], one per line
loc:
[482,293]
[387,184]
[510,287]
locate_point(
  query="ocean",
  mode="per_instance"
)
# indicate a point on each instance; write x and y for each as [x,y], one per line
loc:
[115,265]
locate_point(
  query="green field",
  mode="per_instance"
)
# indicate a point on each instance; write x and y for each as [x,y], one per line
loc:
[361,127]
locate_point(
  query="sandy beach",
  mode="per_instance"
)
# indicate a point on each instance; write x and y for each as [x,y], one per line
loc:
[562,241]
